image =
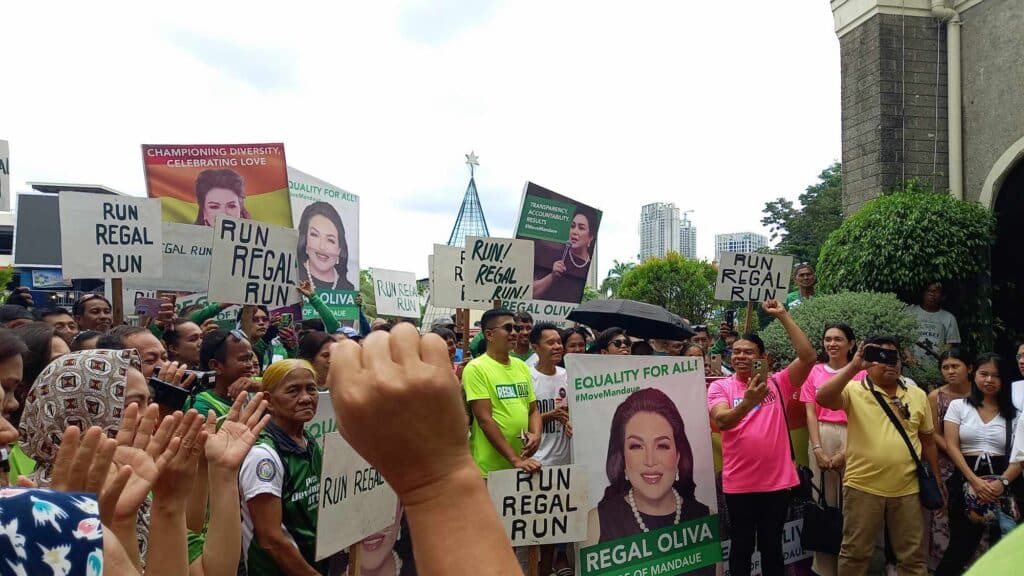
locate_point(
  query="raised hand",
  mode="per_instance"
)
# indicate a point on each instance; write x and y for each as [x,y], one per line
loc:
[139,445]
[773,308]
[179,461]
[83,465]
[175,374]
[399,376]
[227,447]
[305,288]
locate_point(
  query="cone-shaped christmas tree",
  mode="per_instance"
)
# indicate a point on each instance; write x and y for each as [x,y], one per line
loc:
[471,220]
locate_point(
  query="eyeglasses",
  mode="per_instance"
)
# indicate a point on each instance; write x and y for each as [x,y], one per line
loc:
[508,327]
[899,405]
[1019,357]
[620,343]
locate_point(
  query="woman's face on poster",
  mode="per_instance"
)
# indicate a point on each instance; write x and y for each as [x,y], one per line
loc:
[650,455]
[579,233]
[323,247]
[221,201]
[377,548]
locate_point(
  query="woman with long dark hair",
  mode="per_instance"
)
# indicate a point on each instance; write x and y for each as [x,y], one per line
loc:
[219,192]
[323,251]
[956,370]
[649,469]
[826,428]
[569,272]
[315,348]
[978,432]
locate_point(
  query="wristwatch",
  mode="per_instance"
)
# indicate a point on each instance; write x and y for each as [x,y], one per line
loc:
[1006,483]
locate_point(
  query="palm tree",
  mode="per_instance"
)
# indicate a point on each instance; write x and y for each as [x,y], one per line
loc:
[610,285]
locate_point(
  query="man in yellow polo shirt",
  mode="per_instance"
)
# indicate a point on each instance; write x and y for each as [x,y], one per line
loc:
[500,393]
[880,482]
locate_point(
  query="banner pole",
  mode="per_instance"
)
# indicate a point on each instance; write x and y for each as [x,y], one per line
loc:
[746,321]
[117,300]
[533,559]
[354,560]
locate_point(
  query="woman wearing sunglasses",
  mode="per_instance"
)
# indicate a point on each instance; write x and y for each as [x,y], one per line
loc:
[612,341]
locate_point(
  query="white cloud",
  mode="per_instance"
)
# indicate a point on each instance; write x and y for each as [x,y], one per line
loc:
[715,106]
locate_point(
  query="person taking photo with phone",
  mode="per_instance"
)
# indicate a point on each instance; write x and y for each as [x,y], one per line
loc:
[881,485]
[749,408]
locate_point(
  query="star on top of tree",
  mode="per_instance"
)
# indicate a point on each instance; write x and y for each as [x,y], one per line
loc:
[472,160]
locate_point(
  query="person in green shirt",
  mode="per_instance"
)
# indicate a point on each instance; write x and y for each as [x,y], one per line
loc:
[805,279]
[279,481]
[228,355]
[522,349]
[506,425]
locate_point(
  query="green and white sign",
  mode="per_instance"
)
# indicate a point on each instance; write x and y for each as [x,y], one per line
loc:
[545,218]
[640,429]
[327,220]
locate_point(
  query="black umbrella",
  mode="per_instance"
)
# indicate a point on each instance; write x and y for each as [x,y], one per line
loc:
[636,318]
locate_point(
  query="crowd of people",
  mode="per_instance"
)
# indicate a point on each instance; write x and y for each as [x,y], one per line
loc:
[180,447]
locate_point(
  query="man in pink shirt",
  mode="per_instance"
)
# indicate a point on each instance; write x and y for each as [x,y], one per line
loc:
[757,468]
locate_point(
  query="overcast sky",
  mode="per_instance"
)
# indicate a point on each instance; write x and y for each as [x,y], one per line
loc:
[716,106]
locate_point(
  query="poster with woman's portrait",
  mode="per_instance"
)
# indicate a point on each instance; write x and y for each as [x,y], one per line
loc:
[384,553]
[564,232]
[640,427]
[197,182]
[327,218]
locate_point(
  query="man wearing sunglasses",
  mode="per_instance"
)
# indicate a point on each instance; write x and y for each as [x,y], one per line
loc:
[880,484]
[506,425]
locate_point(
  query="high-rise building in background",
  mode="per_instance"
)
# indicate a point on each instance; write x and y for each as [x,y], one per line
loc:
[659,230]
[738,242]
[687,237]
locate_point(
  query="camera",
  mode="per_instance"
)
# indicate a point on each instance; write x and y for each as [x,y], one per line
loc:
[203,381]
[881,355]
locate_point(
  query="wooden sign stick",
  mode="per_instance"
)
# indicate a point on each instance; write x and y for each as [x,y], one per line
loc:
[117,300]
[746,321]
[533,558]
[354,560]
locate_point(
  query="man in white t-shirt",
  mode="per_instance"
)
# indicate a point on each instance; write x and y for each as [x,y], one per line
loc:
[938,327]
[550,386]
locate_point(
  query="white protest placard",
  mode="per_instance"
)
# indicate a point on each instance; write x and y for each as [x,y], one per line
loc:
[5,176]
[253,263]
[355,501]
[324,421]
[187,251]
[108,236]
[498,269]
[749,277]
[449,285]
[545,507]
[395,293]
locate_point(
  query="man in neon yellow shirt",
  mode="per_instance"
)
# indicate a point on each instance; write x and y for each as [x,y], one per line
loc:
[506,423]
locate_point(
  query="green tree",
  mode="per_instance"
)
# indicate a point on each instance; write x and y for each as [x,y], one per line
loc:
[590,294]
[903,241]
[685,287]
[366,292]
[802,231]
[611,284]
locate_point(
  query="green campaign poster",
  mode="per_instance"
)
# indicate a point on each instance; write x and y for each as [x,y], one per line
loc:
[640,428]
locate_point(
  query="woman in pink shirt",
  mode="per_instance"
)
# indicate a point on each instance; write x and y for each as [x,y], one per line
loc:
[827,428]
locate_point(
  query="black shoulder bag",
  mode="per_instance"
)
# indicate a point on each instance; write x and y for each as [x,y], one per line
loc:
[823,524]
[931,496]
[806,476]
